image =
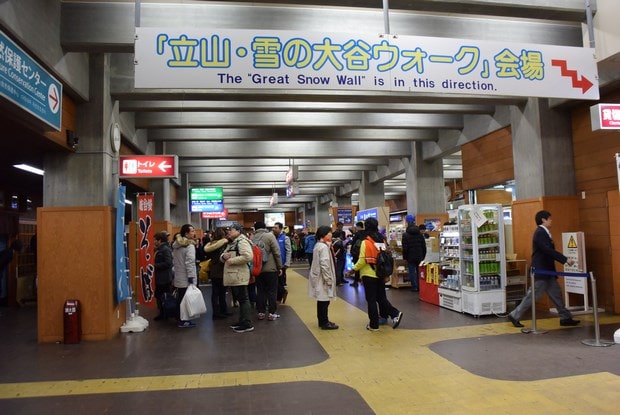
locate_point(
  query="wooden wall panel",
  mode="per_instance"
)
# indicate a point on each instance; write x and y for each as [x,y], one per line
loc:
[289,220]
[399,203]
[75,261]
[614,225]
[565,214]
[493,196]
[595,174]
[488,160]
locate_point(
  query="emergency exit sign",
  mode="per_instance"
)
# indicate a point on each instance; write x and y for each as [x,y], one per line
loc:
[151,167]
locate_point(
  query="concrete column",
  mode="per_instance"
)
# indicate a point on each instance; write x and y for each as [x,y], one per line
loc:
[542,149]
[425,183]
[343,200]
[310,213]
[370,194]
[88,177]
[161,188]
[322,215]
[181,214]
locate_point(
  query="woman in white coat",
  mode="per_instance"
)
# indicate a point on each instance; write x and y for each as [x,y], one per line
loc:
[322,279]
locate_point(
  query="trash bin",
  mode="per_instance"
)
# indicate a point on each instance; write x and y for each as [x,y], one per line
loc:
[72,324]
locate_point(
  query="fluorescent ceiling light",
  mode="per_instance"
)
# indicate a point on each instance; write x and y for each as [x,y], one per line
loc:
[28,168]
[128,202]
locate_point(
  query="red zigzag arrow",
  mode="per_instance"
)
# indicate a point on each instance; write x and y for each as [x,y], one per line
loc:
[583,83]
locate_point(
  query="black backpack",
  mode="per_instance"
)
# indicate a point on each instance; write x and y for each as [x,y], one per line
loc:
[355,248]
[385,264]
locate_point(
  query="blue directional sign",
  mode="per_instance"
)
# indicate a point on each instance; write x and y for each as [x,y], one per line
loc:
[25,83]
[368,213]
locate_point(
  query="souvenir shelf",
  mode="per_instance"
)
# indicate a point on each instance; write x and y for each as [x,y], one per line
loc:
[450,281]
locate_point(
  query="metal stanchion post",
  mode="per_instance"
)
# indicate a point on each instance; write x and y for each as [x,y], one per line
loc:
[533,329]
[597,334]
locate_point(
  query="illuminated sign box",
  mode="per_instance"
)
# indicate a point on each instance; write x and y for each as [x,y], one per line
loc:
[605,117]
[206,199]
[215,215]
[150,167]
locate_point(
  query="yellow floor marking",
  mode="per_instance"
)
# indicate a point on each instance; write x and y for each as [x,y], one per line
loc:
[393,370]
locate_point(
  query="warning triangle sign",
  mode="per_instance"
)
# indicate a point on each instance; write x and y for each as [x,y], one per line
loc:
[572,243]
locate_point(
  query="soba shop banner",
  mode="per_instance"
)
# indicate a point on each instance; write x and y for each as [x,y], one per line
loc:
[202,58]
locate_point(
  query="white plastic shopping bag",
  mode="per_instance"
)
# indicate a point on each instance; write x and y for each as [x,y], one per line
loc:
[193,303]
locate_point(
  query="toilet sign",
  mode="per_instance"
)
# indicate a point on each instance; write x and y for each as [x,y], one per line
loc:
[160,166]
[573,247]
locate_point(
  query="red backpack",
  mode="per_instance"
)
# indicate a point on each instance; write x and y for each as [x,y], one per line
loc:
[256,265]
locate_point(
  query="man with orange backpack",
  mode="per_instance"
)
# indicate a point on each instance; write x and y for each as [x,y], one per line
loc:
[374,287]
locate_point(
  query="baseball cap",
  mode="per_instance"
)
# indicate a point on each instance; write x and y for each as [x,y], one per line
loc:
[162,235]
[235,226]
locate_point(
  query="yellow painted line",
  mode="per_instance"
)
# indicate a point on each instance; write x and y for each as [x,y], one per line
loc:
[393,370]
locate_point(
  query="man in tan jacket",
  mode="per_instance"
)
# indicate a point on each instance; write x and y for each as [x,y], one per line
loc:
[236,257]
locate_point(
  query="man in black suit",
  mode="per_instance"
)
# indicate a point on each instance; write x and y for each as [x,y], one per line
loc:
[543,257]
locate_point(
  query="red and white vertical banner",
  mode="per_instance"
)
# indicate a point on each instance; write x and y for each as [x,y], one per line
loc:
[146,254]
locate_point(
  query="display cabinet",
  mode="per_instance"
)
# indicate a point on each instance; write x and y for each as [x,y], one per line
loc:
[482,259]
[450,274]
[516,280]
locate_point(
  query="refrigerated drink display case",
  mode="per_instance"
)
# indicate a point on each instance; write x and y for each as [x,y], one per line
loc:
[482,259]
[450,280]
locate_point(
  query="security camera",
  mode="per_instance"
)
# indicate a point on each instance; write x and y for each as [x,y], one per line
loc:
[72,139]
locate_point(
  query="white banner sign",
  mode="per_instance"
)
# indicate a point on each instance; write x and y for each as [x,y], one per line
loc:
[199,58]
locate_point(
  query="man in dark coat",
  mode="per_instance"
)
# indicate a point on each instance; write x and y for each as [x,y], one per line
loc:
[544,256]
[163,271]
[6,257]
[414,251]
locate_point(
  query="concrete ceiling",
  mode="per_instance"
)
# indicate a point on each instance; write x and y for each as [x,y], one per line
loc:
[245,140]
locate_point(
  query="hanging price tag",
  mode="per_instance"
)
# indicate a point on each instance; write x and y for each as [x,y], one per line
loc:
[477,217]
